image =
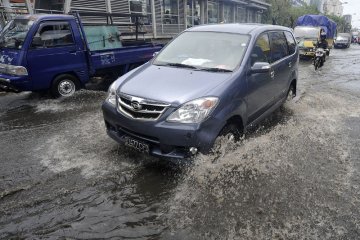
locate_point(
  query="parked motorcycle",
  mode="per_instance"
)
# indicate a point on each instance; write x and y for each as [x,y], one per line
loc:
[319,58]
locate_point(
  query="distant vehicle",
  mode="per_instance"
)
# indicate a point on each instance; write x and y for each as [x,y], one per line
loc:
[307,31]
[57,53]
[210,81]
[343,40]
[355,37]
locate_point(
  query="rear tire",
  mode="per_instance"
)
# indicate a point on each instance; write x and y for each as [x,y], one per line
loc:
[291,92]
[64,86]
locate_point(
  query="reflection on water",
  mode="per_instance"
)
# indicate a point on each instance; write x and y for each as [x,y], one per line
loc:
[291,177]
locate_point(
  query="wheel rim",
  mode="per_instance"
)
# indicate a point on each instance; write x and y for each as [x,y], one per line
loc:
[66,88]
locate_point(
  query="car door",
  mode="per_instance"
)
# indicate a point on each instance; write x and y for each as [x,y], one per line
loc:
[291,61]
[259,92]
[280,63]
[53,51]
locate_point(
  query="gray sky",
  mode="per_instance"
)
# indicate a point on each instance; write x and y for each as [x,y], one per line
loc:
[353,7]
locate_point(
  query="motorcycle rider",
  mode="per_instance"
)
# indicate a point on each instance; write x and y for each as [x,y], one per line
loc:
[322,43]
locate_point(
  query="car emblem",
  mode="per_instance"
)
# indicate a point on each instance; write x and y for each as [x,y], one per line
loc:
[136,105]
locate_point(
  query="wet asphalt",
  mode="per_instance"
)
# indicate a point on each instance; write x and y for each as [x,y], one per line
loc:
[295,176]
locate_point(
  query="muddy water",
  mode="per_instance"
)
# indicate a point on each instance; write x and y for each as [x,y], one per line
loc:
[293,177]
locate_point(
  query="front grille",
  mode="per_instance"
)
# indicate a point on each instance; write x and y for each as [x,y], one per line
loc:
[139,108]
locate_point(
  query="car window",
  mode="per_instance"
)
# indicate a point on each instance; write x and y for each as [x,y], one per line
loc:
[261,50]
[218,50]
[291,43]
[53,35]
[279,47]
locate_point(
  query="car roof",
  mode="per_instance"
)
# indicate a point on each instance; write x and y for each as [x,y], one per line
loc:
[241,28]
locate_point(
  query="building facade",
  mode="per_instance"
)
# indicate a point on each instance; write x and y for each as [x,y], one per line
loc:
[333,7]
[165,18]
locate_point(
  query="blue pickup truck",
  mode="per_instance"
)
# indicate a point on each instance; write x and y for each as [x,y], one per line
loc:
[54,53]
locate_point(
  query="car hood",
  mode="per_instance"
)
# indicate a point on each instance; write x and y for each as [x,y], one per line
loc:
[170,84]
[9,56]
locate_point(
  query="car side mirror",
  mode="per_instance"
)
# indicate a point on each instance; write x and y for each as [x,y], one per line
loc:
[37,42]
[260,67]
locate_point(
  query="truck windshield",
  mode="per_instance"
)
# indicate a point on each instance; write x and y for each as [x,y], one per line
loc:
[213,51]
[306,33]
[14,33]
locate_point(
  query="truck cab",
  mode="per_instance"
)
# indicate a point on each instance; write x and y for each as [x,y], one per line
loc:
[51,52]
[306,36]
[37,48]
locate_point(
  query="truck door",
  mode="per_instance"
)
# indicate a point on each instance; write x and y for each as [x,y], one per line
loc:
[54,51]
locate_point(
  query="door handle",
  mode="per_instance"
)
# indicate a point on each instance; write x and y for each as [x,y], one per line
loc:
[73,52]
[272,74]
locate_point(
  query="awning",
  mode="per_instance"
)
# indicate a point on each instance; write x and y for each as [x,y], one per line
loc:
[236,1]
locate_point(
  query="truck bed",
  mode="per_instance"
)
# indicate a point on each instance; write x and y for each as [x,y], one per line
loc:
[108,58]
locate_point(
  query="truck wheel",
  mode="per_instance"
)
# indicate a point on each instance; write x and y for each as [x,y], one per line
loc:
[64,86]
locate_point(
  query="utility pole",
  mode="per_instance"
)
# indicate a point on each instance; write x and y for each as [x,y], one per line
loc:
[67,6]
[29,6]
[153,18]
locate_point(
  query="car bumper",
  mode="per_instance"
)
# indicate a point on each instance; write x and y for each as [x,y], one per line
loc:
[14,83]
[341,45]
[165,139]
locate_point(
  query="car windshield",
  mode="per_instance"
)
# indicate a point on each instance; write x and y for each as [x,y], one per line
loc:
[306,33]
[205,51]
[14,33]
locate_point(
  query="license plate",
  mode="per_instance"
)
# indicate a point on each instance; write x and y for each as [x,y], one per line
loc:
[135,144]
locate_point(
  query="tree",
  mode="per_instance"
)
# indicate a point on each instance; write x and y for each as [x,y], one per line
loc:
[342,25]
[282,12]
[278,12]
[296,12]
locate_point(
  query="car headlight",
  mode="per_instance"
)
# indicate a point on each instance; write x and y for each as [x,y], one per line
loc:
[111,98]
[13,70]
[194,111]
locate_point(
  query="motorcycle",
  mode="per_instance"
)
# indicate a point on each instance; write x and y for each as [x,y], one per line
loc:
[319,58]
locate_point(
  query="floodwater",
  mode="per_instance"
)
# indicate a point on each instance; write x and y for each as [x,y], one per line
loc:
[293,177]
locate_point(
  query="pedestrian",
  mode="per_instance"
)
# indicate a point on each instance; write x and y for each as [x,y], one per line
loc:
[196,18]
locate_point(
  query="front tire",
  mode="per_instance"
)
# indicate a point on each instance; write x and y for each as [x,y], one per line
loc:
[230,133]
[316,63]
[64,86]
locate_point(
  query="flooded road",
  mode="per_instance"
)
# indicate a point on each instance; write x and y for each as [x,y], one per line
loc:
[293,177]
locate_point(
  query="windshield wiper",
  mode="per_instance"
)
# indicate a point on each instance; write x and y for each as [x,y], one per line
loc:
[177,65]
[215,69]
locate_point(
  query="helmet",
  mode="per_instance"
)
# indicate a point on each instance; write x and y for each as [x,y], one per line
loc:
[323,36]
